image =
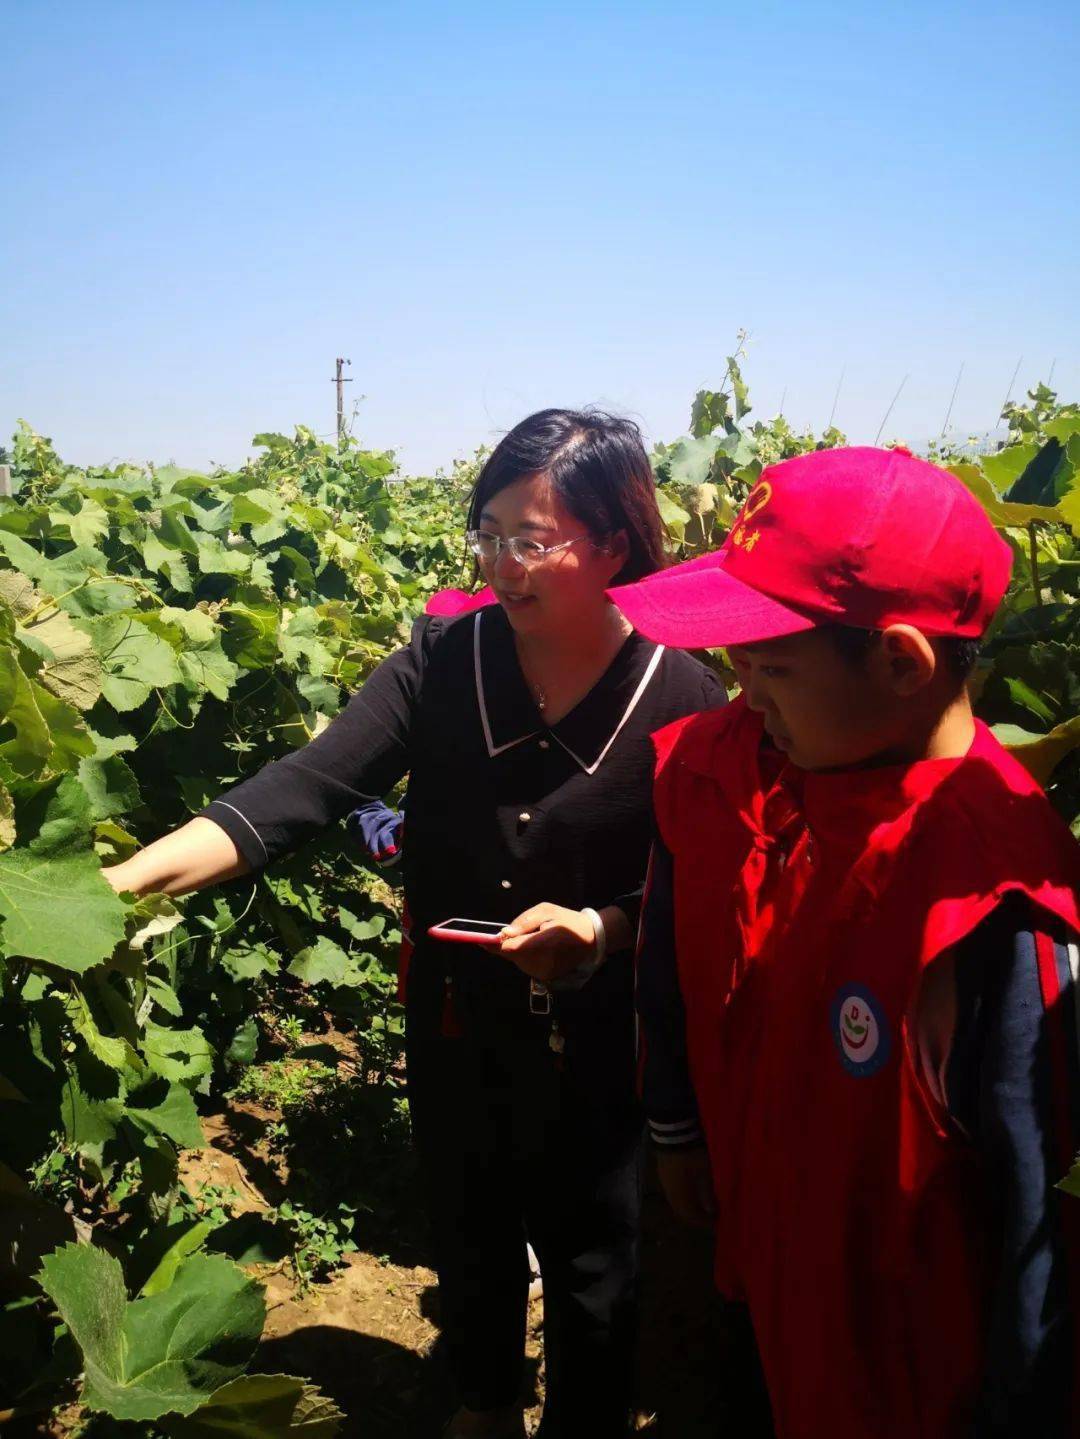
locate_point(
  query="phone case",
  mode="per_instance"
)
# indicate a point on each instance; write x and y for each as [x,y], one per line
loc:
[461,936]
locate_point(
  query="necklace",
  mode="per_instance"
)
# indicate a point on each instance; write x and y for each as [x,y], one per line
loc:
[541,697]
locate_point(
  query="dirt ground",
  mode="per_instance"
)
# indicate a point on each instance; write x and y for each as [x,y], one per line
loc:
[369,1337]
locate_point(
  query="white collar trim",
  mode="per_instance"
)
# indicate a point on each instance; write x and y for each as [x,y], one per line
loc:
[494,749]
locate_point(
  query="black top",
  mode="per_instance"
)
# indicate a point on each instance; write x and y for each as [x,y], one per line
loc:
[502,811]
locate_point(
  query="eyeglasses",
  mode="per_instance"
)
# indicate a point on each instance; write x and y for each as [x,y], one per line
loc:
[488,547]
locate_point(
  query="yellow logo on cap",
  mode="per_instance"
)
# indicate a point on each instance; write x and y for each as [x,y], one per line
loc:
[756,501]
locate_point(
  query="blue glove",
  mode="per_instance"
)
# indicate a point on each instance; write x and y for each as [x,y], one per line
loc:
[378,828]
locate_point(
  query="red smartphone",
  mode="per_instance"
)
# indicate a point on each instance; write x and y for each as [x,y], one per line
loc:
[468,931]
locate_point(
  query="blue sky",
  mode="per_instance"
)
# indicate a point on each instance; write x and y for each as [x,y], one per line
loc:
[493,208]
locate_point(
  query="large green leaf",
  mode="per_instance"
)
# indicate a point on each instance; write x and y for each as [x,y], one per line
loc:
[323,963]
[167,1109]
[177,1054]
[68,665]
[28,749]
[134,660]
[56,905]
[261,1406]
[1002,512]
[163,1354]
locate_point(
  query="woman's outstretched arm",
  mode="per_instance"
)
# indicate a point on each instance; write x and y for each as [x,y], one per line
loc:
[197,854]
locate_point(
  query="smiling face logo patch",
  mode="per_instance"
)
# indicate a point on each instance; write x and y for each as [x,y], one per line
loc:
[860,1030]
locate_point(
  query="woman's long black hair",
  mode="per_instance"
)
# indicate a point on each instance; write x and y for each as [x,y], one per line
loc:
[597,465]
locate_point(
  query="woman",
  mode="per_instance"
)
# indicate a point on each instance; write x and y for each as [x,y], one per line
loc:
[523,727]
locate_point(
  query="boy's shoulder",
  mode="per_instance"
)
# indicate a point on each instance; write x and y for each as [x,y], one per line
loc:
[702,742]
[1000,835]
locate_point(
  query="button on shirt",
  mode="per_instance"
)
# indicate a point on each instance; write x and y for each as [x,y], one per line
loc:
[502,811]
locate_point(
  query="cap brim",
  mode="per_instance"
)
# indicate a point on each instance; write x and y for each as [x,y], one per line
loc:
[700,606]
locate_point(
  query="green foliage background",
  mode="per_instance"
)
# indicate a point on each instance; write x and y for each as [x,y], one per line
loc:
[165,633]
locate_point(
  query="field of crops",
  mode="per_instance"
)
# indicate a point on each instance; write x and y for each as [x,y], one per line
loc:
[162,634]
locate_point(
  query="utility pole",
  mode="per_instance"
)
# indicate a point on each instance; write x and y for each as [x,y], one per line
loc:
[340,380]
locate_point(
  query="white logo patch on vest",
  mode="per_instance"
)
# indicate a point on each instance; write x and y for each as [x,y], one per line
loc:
[860,1029]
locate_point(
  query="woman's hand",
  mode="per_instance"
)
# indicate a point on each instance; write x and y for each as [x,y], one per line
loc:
[686,1179]
[549,941]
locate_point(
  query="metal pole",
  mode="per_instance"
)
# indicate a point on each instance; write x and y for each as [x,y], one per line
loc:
[952,401]
[889,411]
[1008,393]
[5,481]
[836,397]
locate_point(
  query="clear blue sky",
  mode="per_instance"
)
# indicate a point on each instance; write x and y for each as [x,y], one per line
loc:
[491,208]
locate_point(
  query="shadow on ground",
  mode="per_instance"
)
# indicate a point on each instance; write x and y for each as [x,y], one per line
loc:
[698,1376]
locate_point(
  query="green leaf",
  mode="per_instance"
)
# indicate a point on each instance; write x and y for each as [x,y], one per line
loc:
[216,558]
[709,412]
[690,460]
[1040,754]
[68,667]
[739,388]
[322,963]
[1002,512]
[89,523]
[163,995]
[7,818]
[177,1054]
[262,1406]
[362,929]
[163,1354]
[135,661]
[1063,427]
[245,1042]
[248,961]
[251,627]
[56,905]
[27,752]
[1071,1183]
[673,515]
[1008,464]
[70,740]
[1022,694]
[184,1239]
[167,1109]
[110,786]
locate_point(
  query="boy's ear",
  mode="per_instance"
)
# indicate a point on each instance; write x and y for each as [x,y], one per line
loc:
[907,658]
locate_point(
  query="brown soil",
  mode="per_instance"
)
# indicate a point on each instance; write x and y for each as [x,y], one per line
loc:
[369,1336]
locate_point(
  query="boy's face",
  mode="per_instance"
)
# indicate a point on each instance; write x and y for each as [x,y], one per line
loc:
[819,708]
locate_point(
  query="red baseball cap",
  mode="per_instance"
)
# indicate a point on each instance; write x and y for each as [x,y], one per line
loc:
[458,602]
[857,536]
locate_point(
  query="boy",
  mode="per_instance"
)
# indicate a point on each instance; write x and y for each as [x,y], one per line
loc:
[859,948]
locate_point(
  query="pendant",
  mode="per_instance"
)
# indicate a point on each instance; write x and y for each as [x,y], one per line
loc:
[556,1041]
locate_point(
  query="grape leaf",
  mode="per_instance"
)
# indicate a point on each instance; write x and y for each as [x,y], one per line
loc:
[324,962]
[168,1110]
[134,660]
[28,750]
[261,1406]
[56,905]
[166,1353]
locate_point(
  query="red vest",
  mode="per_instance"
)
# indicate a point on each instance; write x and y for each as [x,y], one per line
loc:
[851,1214]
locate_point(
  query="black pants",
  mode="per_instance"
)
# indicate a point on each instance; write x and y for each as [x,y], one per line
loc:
[518,1142]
